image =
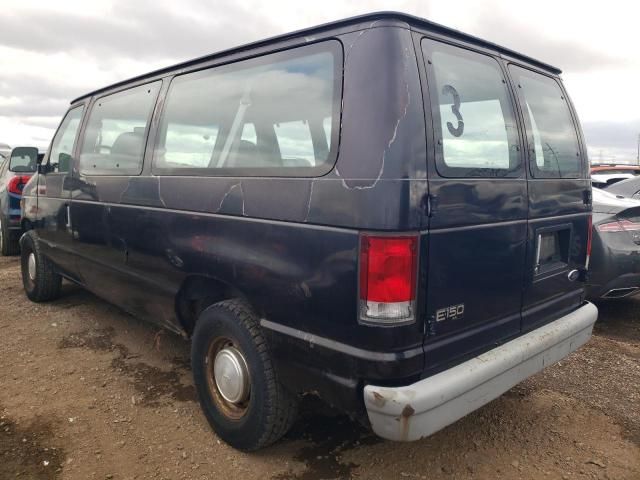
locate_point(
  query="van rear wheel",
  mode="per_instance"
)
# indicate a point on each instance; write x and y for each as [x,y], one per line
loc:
[40,280]
[235,378]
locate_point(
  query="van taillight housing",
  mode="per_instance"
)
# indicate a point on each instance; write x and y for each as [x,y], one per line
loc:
[17,183]
[388,278]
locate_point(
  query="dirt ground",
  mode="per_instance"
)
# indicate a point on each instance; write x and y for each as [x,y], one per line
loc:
[87,392]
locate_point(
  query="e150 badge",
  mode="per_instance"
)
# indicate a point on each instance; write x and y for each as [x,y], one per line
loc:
[453,312]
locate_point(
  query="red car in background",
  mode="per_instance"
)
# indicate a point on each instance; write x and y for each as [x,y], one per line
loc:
[604,175]
[614,168]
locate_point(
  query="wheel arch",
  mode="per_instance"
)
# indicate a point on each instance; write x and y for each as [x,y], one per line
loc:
[198,292]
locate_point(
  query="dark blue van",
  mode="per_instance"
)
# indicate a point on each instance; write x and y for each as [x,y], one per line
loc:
[381,211]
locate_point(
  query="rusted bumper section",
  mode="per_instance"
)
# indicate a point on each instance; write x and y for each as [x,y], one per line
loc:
[418,410]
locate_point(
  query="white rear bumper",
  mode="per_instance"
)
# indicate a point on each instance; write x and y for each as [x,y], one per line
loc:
[418,410]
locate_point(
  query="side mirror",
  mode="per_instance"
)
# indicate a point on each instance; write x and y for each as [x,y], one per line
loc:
[64,162]
[41,168]
[23,159]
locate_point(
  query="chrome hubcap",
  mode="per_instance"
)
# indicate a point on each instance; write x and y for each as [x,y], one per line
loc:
[231,375]
[31,264]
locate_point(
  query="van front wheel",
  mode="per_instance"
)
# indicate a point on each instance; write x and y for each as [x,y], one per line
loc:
[40,280]
[235,378]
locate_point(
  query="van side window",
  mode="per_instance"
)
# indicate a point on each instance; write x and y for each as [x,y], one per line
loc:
[190,144]
[476,130]
[275,115]
[296,144]
[553,142]
[116,132]
[326,125]
[62,145]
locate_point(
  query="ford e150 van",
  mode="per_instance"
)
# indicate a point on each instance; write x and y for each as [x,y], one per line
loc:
[381,211]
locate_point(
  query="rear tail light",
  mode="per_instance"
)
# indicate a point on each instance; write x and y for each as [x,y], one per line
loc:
[17,183]
[619,226]
[589,241]
[622,225]
[388,277]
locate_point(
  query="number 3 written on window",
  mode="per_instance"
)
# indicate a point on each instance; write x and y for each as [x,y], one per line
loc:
[455,108]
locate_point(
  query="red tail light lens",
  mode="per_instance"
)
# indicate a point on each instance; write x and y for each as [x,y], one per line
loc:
[622,225]
[619,226]
[388,275]
[17,183]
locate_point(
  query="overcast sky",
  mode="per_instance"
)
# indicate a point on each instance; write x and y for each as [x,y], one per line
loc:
[54,51]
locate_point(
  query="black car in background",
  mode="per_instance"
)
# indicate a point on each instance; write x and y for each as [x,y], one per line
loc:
[15,172]
[614,270]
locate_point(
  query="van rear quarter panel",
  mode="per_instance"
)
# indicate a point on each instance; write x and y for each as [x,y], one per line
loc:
[290,245]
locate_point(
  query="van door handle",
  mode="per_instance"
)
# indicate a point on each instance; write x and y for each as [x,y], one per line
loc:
[69,216]
[429,204]
[586,197]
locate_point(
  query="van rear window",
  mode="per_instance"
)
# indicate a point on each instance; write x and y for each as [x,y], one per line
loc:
[474,120]
[553,142]
[275,115]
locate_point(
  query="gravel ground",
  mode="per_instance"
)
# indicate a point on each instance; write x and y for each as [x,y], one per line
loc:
[87,392]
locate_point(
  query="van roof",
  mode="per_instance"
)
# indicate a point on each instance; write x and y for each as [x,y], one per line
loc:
[402,18]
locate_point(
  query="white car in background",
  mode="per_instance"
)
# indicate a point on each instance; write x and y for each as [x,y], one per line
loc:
[603,180]
[4,150]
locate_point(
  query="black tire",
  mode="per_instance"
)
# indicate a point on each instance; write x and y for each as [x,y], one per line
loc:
[270,410]
[47,282]
[8,240]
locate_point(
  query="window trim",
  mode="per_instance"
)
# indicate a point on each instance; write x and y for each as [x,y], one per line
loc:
[331,45]
[534,171]
[427,45]
[47,158]
[150,121]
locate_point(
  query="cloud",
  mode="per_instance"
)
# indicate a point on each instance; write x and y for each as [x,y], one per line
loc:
[38,87]
[568,54]
[55,51]
[612,141]
[141,30]
[56,56]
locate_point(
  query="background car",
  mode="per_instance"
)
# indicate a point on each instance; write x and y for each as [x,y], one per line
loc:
[629,188]
[614,270]
[614,168]
[605,180]
[604,175]
[15,172]
[4,151]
